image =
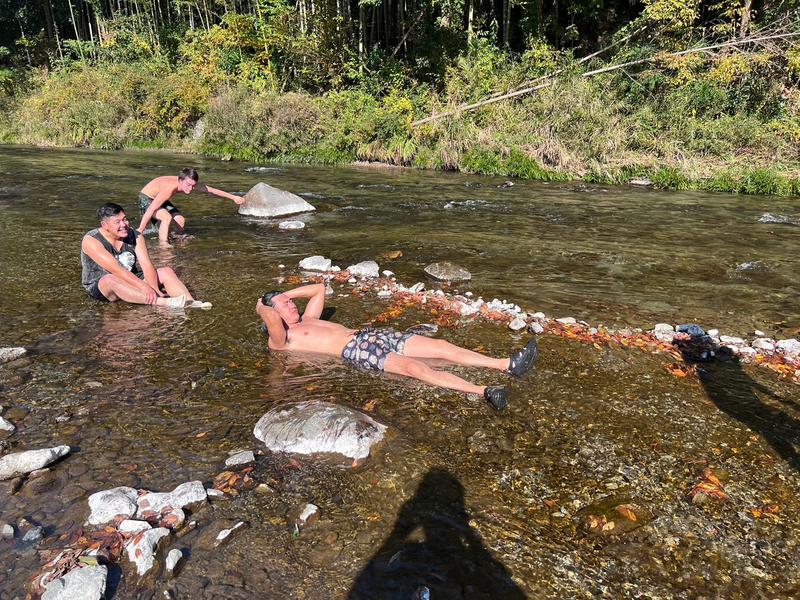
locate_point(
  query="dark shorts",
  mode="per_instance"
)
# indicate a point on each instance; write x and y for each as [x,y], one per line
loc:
[370,347]
[145,200]
[94,291]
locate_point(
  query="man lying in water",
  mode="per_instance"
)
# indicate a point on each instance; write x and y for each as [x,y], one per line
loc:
[116,266]
[381,349]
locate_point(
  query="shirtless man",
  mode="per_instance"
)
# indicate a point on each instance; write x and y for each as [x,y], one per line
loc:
[381,349]
[154,200]
[116,266]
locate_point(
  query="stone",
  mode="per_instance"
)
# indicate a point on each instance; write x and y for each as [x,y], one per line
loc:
[315,263]
[447,271]
[9,354]
[225,535]
[468,310]
[517,324]
[6,531]
[86,583]
[187,495]
[535,328]
[567,320]
[263,200]
[291,225]
[171,563]
[713,332]
[7,425]
[319,427]
[663,328]
[731,341]
[240,458]
[143,547]
[366,268]
[307,514]
[385,294]
[641,181]
[133,526]
[790,347]
[21,463]
[763,344]
[417,288]
[758,333]
[108,504]
[387,273]
[33,535]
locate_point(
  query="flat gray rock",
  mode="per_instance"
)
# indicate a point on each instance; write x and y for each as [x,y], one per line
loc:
[240,458]
[108,504]
[189,494]
[291,225]
[315,263]
[447,271]
[319,427]
[9,354]
[366,268]
[6,425]
[266,201]
[22,463]
[87,583]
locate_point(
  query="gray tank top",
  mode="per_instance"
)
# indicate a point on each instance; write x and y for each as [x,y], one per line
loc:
[126,256]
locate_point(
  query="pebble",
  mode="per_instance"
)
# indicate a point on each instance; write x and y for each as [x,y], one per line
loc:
[7,425]
[6,531]
[224,536]
[33,535]
[535,328]
[517,324]
[240,458]
[9,354]
[171,563]
[387,273]
[306,515]
[291,225]
[759,333]
[384,294]
[567,320]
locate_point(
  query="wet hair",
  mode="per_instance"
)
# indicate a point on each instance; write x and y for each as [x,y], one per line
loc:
[188,173]
[108,210]
[266,299]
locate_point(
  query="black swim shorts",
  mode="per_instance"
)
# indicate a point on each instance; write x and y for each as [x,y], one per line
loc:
[94,291]
[145,201]
[370,346]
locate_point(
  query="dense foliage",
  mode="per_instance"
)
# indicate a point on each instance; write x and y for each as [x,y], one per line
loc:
[331,81]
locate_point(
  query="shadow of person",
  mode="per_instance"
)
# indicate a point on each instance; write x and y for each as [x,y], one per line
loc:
[433,552]
[736,394]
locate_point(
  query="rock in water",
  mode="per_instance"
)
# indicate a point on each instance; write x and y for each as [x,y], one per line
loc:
[87,583]
[21,463]
[266,201]
[291,225]
[315,263]
[108,504]
[9,354]
[319,427]
[367,268]
[144,546]
[446,271]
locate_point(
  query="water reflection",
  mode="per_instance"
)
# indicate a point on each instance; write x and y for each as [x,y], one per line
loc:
[433,546]
[736,394]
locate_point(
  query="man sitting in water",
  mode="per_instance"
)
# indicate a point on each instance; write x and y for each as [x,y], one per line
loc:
[154,200]
[116,266]
[381,349]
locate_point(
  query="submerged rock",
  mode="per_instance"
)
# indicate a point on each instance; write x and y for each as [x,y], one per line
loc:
[447,271]
[9,354]
[226,535]
[87,583]
[266,201]
[173,558]
[319,427]
[144,546]
[22,463]
[240,458]
[367,268]
[315,263]
[7,425]
[109,504]
[291,225]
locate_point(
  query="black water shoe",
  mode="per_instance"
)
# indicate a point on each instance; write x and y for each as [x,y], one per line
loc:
[497,396]
[522,361]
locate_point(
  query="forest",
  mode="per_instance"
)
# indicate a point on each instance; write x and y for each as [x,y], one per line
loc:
[684,93]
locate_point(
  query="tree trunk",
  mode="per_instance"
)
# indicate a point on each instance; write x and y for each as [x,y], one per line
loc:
[745,22]
[47,11]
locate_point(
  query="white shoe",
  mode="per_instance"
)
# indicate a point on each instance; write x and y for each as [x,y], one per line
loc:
[199,304]
[176,302]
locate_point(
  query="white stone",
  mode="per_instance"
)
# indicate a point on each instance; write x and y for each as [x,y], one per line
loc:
[319,427]
[315,263]
[567,320]
[731,341]
[9,354]
[291,225]
[468,309]
[468,294]
[335,269]
[663,328]
[21,463]
[225,534]
[387,273]
[517,324]
[535,328]
[384,294]
[189,494]
[281,266]
[214,493]
[366,268]
[142,548]
[308,510]
[173,558]
[417,288]
[106,505]
[539,315]
[747,352]
[446,271]
[133,526]
[263,200]
[352,280]
[240,458]
[6,531]
[713,332]
[790,347]
[86,583]
[763,344]
[758,333]
[641,181]
[6,425]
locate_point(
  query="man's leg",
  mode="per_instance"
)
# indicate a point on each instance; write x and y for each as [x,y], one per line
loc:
[164,221]
[410,367]
[180,221]
[419,346]
[114,288]
[171,283]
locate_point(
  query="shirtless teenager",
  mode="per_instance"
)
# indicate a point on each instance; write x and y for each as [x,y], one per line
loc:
[382,349]
[154,200]
[116,266]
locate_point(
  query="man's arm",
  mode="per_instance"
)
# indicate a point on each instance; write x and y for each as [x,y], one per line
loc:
[95,250]
[150,275]
[275,328]
[316,299]
[222,194]
[157,203]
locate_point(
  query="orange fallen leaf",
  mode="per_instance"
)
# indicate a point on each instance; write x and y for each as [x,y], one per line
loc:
[626,510]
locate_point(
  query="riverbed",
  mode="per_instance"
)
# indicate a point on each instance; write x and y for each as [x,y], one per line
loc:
[460,499]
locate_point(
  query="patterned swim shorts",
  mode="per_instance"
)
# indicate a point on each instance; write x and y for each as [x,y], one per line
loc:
[370,346]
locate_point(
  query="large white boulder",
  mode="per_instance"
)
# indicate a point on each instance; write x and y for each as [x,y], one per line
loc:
[446,271]
[367,268]
[319,427]
[187,495]
[315,263]
[144,546]
[87,583]
[21,463]
[266,201]
[108,504]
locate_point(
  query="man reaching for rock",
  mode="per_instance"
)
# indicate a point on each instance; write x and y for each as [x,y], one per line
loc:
[116,266]
[154,200]
[382,349]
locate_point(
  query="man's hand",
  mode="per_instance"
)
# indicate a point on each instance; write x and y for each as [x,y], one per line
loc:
[239,199]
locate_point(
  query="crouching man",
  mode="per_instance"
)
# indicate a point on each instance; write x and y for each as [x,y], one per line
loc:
[382,349]
[116,266]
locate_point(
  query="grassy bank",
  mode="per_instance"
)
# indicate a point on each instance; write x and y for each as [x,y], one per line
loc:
[727,126]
